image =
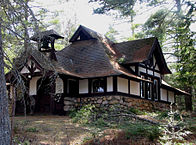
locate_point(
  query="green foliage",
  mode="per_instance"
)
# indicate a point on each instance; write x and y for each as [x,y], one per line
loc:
[140,129]
[111,34]
[191,123]
[32,129]
[102,119]
[125,7]
[18,142]
[174,130]
[171,25]
[17,20]
[100,123]
[157,24]
[84,115]
[162,115]
[136,111]
[121,60]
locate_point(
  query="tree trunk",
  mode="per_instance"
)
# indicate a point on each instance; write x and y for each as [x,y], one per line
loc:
[4,115]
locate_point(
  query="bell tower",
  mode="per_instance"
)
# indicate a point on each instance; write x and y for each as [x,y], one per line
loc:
[47,40]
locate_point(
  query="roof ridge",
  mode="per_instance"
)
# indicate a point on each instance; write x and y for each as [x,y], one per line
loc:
[136,40]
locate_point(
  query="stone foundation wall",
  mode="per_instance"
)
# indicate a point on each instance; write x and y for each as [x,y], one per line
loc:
[107,101]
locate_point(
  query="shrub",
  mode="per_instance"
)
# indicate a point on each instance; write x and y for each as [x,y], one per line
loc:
[141,129]
[100,123]
[72,113]
[85,115]
[175,128]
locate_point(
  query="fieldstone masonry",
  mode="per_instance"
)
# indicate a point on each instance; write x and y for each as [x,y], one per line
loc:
[107,101]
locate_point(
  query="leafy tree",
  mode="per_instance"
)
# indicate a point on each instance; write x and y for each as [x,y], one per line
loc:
[173,28]
[125,7]
[111,33]
[17,20]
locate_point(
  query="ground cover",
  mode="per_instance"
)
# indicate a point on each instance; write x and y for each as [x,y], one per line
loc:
[48,130]
[89,126]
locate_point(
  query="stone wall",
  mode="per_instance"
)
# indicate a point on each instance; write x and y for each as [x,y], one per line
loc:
[106,101]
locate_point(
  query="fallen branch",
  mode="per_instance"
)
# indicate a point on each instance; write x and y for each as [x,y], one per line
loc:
[135,117]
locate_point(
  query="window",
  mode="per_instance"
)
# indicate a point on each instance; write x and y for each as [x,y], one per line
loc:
[59,85]
[146,88]
[72,87]
[98,85]
[142,89]
[155,89]
[149,89]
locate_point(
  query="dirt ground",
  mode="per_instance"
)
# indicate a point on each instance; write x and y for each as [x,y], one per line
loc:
[48,130]
[60,130]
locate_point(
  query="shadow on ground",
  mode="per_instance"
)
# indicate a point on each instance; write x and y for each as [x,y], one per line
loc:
[50,130]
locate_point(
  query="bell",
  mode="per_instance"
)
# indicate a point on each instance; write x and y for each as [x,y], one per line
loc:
[45,44]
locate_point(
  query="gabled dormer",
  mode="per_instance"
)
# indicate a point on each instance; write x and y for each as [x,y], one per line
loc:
[156,59]
[143,56]
[83,33]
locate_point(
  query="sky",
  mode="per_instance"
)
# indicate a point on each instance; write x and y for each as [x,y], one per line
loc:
[83,12]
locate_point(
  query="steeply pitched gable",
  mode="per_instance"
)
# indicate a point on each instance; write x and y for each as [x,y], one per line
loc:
[139,51]
[83,33]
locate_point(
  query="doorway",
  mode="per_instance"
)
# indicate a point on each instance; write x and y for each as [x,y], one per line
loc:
[44,101]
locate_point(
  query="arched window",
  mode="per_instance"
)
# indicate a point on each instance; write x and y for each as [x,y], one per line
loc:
[59,85]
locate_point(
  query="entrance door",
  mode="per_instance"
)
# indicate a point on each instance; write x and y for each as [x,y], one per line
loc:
[44,101]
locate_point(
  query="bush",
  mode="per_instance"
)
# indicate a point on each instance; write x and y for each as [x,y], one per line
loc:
[85,115]
[100,123]
[141,129]
[175,129]
[72,113]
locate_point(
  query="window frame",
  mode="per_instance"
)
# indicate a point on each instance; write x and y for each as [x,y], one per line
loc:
[101,84]
[156,89]
[142,87]
[149,89]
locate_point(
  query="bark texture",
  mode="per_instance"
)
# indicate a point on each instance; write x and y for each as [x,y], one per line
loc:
[4,115]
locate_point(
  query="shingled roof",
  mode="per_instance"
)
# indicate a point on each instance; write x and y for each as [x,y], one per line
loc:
[94,55]
[40,35]
[138,51]
[90,58]
[178,91]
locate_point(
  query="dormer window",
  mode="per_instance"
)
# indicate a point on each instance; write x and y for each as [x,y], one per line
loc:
[78,38]
[82,33]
